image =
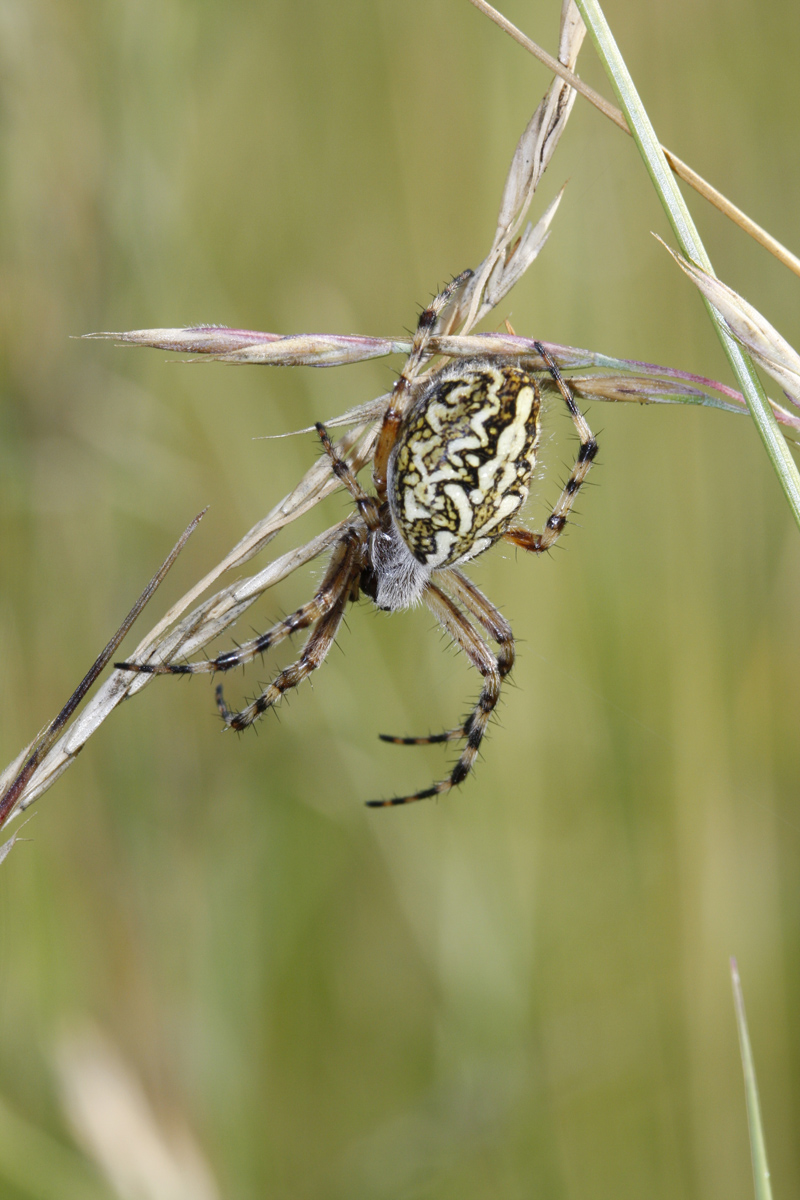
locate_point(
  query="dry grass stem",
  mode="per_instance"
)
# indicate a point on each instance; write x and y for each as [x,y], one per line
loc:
[139,1153]
[47,738]
[759,338]
[614,114]
[179,634]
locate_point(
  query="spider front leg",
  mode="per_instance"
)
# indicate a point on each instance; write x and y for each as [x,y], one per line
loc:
[399,403]
[473,729]
[537,543]
[338,577]
[366,504]
[314,654]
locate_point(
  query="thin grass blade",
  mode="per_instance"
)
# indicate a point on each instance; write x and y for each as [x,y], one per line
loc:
[689,239]
[758,1150]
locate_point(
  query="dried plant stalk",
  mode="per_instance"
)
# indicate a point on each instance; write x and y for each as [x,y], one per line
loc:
[176,633]
[762,341]
[191,623]
[680,168]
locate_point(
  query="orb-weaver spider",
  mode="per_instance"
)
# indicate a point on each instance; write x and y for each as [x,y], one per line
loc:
[452,467]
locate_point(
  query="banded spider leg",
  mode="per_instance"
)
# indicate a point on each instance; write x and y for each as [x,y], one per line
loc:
[537,543]
[493,669]
[324,611]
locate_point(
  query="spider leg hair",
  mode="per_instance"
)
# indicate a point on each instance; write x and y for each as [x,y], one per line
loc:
[538,543]
[315,650]
[470,641]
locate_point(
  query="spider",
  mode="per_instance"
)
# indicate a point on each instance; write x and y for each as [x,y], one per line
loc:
[452,466]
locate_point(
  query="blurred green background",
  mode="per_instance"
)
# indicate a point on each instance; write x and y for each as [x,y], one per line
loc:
[522,990]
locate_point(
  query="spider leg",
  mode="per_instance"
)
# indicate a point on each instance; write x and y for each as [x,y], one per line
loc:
[432,739]
[398,405]
[338,577]
[469,640]
[485,612]
[495,625]
[314,654]
[367,505]
[537,543]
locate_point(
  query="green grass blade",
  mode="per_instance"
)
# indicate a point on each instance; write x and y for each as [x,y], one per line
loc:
[758,1151]
[689,240]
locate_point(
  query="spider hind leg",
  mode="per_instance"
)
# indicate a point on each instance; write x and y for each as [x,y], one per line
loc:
[473,729]
[449,735]
[491,668]
[403,388]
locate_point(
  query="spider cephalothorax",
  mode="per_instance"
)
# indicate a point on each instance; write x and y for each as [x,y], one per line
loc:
[452,468]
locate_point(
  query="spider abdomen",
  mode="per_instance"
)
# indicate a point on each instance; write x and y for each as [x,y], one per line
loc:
[463,460]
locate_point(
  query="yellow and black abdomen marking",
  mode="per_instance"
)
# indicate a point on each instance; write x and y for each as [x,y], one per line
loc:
[461,467]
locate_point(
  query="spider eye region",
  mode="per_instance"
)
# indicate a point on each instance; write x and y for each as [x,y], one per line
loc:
[462,463]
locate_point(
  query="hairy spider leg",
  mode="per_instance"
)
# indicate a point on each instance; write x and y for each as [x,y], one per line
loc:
[338,576]
[399,403]
[469,640]
[314,652]
[537,543]
[484,611]
[367,505]
[498,628]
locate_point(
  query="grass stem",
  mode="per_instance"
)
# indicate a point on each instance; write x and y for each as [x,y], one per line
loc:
[758,1150]
[689,240]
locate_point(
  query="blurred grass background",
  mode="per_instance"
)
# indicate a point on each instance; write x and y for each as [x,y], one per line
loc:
[523,990]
